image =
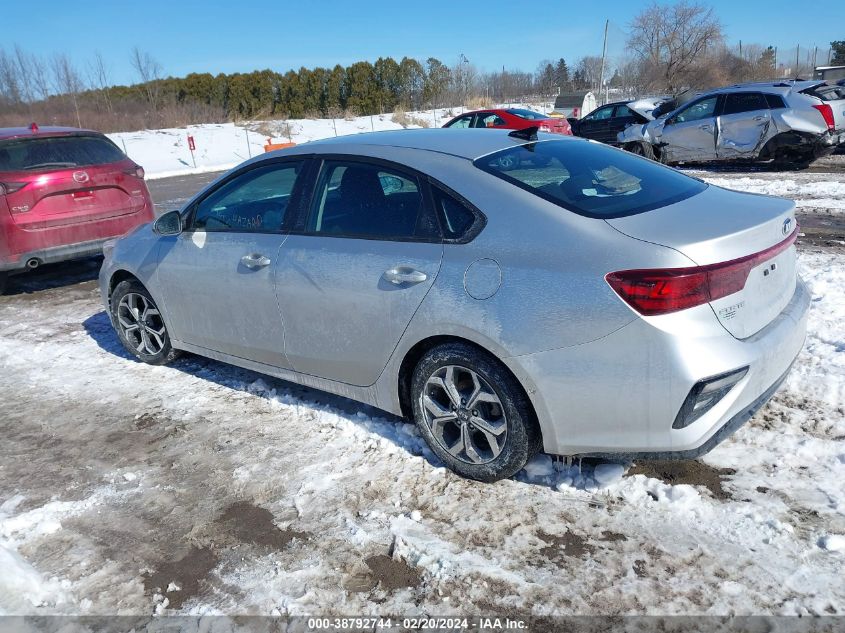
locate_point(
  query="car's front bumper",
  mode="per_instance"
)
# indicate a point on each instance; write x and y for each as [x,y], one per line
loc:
[619,395]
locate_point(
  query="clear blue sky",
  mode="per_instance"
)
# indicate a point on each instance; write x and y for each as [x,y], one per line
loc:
[216,36]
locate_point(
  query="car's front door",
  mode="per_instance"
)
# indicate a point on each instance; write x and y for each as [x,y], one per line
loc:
[352,276]
[690,133]
[596,124]
[743,126]
[218,275]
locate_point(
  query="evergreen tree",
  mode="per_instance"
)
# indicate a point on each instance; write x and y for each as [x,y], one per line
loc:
[561,73]
[838,57]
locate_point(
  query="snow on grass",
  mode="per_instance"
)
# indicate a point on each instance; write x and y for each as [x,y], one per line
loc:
[164,153]
[344,483]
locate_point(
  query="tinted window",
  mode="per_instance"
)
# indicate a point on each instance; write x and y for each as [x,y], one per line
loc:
[703,109]
[775,101]
[253,201]
[600,114]
[589,178]
[457,219]
[361,200]
[463,121]
[744,102]
[527,114]
[57,152]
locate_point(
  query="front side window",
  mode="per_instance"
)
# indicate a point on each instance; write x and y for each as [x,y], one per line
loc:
[624,111]
[744,102]
[589,178]
[57,152]
[463,121]
[703,109]
[355,199]
[256,200]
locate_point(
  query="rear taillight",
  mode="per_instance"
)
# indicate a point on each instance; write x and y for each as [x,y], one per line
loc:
[10,187]
[660,291]
[136,171]
[827,115]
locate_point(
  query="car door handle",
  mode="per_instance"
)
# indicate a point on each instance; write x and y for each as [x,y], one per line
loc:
[759,118]
[404,275]
[706,128]
[255,260]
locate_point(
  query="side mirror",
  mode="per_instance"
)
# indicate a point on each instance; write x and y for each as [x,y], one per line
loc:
[169,224]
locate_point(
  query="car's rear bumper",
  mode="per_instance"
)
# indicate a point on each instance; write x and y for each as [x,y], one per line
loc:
[59,243]
[54,254]
[620,395]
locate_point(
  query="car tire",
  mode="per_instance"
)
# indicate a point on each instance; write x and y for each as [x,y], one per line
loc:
[485,428]
[4,279]
[641,149]
[139,324]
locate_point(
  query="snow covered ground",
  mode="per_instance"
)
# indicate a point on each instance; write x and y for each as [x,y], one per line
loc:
[219,146]
[201,488]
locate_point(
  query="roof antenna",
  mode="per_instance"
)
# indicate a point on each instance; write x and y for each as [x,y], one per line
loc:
[526,134]
[33,127]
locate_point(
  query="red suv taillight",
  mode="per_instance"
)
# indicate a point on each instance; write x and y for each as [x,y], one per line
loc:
[136,171]
[10,187]
[827,115]
[660,291]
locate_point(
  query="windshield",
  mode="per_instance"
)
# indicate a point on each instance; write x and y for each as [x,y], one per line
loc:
[527,114]
[57,152]
[590,178]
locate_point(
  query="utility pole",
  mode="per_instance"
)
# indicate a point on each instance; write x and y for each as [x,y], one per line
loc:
[603,56]
[797,52]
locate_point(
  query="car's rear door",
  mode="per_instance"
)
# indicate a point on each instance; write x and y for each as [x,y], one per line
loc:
[690,133]
[218,276]
[622,117]
[743,126]
[355,270]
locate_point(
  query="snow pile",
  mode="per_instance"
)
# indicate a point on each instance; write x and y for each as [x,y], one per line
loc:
[823,191]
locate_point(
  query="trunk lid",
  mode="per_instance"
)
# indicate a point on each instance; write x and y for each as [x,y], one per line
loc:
[719,226]
[74,195]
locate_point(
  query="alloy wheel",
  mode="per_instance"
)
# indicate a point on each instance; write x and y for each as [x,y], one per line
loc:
[141,324]
[464,414]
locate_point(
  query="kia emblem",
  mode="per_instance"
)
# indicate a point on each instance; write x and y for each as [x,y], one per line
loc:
[81,177]
[787,224]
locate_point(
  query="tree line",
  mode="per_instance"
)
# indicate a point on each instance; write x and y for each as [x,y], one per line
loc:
[670,47]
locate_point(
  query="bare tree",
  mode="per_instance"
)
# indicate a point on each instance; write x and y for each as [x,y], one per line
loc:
[100,78]
[590,70]
[672,39]
[149,71]
[463,79]
[10,88]
[67,81]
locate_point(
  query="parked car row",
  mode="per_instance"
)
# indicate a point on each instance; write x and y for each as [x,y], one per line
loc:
[787,124]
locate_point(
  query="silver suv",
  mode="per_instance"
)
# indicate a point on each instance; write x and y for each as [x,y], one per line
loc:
[788,123]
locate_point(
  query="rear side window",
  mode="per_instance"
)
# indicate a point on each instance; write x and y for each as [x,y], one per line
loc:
[355,199]
[589,178]
[775,101]
[458,221]
[527,114]
[57,152]
[737,102]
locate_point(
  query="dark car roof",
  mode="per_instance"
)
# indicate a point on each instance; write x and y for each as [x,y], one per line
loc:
[47,130]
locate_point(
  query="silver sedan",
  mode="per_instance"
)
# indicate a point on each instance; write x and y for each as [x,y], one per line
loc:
[508,293]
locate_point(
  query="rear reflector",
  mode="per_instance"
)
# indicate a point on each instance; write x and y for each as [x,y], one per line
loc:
[704,395]
[660,291]
[827,115]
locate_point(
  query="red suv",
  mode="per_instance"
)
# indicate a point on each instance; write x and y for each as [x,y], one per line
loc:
[511,119]
[63,192]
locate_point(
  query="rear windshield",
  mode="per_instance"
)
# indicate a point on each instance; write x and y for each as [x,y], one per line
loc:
[56,152]
[590,178]
[528,114]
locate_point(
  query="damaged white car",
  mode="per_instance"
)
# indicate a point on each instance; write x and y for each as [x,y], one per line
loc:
[788,123]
